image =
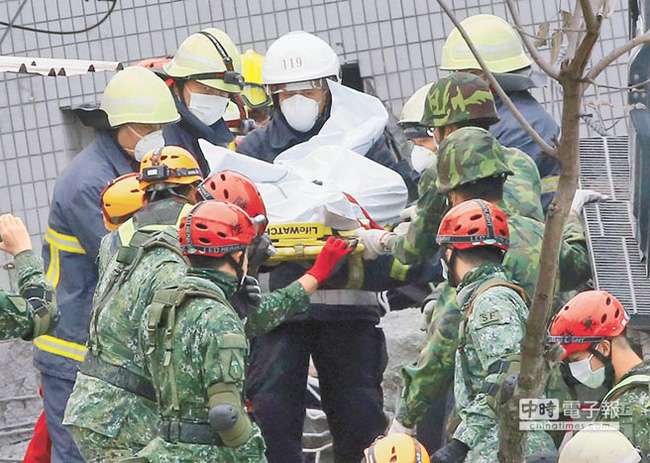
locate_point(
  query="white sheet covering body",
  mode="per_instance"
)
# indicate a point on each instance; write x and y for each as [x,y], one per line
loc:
[307,182]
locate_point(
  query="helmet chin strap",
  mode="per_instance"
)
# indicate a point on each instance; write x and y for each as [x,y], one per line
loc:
[607,361]
[238,266]
[451,276]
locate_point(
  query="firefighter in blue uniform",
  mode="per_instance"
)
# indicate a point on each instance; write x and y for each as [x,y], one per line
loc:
[137,104]
[205,72]
[340,329]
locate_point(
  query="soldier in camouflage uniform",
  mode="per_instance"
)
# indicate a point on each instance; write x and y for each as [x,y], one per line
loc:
[471,165]
[197,345]
[463,100]
[112,409]
[474,236]
[592,329]
[33,311]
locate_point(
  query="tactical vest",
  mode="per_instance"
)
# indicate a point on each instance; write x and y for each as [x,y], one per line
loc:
[162,320]
[506,368]
[640,378]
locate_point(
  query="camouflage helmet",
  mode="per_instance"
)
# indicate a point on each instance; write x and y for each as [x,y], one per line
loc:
[467,155]
[459,97]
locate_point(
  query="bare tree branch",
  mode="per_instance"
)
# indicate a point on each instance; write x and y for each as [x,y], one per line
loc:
[534,52]
[504,97]
[588,14]
[616,54]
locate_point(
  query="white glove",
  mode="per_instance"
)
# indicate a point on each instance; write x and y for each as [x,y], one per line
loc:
[427,314]
[397,427]
[408,213]
[583,197]
[374,242]
[402,228]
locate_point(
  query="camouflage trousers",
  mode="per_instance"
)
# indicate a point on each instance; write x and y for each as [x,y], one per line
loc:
[97,448]
[487,449]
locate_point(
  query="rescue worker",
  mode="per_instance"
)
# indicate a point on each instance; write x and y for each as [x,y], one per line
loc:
[138,104]
[444,112]
[205,72]
[471,165]
[474,237]
[592,329]
[599,446]
[424,148]
[501,48]
[32,312]
[197,343]
[339,331]
[257,100]
[135,262]
[396,448]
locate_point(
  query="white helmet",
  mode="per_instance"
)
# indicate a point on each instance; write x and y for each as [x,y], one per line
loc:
[299,56]
[413,109]
[599,446]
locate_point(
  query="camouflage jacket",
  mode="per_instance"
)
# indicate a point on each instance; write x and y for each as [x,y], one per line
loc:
[492,331]
[18,317]
[208,346]
[630,407]
[521,195]
[430,376]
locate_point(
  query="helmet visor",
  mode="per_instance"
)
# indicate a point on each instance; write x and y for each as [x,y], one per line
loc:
[316,84]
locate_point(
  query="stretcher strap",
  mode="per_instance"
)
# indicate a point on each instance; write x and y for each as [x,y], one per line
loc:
[371,222]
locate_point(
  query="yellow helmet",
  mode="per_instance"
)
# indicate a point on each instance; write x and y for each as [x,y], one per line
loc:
[254,94]
[209,57]
[497,42]
[120,199]
[137,95]
[168,166]
[396,448]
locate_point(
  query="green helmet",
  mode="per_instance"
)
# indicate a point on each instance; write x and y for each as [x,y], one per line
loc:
[467,155]
[459,97]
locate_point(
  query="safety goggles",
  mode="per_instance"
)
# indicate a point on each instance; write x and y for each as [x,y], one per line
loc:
[228,77]
[315,84]
[255,96]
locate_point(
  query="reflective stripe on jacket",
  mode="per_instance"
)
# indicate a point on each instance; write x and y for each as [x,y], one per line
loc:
[75,229]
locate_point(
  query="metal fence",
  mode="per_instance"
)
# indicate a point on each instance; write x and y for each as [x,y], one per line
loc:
[396,43]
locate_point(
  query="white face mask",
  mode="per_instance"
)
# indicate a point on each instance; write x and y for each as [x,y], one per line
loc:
[207,108]
[581,370]
[151,141]
[300,112]
[445,269]
[421,157]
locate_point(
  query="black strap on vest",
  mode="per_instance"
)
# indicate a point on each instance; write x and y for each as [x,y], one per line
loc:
[118,377]
[175,431]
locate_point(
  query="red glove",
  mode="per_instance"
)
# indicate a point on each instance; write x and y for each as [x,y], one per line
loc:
[333,251]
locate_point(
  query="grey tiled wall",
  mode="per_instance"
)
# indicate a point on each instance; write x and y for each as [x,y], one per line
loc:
[397,43]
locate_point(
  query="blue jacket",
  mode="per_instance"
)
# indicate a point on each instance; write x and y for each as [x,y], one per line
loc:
[267,143]
[190,129]
[75,229]
[510,133]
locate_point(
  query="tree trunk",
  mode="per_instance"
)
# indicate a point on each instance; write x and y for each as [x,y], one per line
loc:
[534,368]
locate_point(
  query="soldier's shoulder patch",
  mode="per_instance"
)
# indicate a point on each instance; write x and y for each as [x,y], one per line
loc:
[490,317]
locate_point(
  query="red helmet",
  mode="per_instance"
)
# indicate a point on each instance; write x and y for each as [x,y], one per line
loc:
[235,188]
[589,317]
[474,223]
[215,228]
